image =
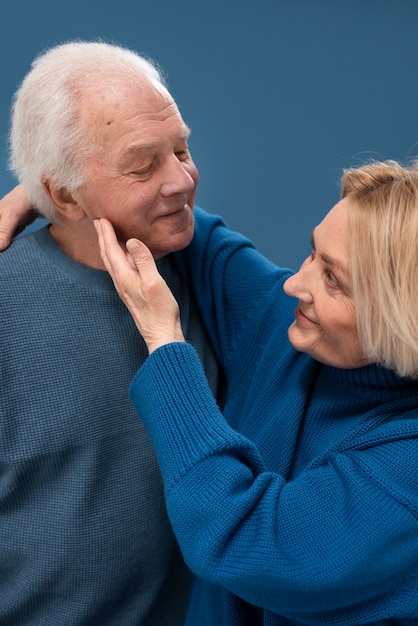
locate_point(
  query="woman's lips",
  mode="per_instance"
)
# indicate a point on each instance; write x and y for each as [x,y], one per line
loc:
[302,318]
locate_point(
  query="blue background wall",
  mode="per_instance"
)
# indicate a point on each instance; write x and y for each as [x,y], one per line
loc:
[280,94]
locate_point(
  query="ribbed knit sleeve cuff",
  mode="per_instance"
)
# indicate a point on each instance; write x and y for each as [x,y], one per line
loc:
[173,398]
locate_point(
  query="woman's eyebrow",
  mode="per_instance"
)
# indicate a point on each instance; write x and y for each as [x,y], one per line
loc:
[334,263]
[312,240]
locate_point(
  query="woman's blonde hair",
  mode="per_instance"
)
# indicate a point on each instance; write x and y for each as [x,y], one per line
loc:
[383,220]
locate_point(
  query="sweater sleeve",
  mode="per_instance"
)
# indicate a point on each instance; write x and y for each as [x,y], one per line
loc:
[280,545]
[231,281]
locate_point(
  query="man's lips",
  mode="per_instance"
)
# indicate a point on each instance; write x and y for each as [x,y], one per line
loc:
[175,211]
[302,318]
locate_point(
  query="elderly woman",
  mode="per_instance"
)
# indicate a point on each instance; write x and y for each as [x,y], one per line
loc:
[298,504]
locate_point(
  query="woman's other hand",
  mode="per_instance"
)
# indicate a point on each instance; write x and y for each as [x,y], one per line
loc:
[15,213]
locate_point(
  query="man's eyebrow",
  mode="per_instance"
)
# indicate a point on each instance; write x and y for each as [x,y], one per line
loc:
[334,263]
[141,149]
[137,149]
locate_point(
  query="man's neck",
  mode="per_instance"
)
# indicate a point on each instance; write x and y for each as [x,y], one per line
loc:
[79,241]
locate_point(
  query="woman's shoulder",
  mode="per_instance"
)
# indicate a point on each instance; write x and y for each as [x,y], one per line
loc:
[229,247]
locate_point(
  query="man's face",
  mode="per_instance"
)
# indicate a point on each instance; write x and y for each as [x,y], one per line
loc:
[142,178]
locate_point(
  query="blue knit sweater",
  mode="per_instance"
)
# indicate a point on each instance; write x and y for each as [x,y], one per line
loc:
[84,534]
[301,505]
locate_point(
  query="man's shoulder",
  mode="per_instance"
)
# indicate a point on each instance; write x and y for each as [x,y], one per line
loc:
[21,248]
[23,259]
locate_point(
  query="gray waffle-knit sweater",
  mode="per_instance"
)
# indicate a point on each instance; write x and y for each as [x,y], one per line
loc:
[84,535]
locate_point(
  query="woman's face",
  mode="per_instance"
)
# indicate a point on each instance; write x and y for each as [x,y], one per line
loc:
[325,324]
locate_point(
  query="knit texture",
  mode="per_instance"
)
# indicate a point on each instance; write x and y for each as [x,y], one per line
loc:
[84,534]
[300,504]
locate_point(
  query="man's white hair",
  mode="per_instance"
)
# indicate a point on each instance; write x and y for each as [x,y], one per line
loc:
[46,135]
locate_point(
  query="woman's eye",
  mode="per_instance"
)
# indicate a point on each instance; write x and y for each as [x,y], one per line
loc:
[331,279]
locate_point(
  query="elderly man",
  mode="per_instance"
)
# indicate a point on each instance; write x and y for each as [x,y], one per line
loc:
[84,535]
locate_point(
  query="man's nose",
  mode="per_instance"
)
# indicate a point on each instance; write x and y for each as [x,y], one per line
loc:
[177,179]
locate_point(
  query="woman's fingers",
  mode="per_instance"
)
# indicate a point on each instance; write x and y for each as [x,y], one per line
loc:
[119,263]
[140,254]
[15,214]
[112,254]
[141,287]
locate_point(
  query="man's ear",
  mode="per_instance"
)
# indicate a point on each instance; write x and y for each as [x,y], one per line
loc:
[63,200]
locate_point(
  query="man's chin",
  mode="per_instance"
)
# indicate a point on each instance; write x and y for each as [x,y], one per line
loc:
[173,242]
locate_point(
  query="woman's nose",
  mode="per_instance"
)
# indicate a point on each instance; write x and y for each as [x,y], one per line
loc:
[299,286]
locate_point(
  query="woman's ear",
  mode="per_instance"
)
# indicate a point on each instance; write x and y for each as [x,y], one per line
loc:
[63,201]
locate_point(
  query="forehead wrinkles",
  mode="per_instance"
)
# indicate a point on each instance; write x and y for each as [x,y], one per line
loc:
[106,112]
